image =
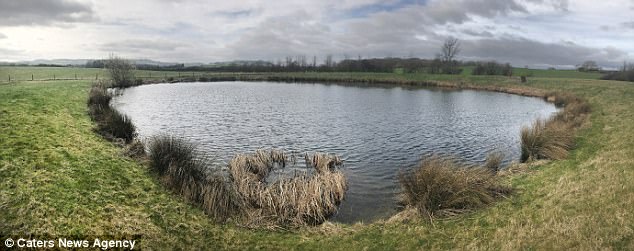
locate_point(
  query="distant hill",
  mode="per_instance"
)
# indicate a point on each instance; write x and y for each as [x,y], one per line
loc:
[82,62]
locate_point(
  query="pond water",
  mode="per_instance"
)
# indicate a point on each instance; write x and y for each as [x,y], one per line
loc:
[377,130]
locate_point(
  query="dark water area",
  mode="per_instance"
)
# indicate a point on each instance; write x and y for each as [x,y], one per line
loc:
[377,130]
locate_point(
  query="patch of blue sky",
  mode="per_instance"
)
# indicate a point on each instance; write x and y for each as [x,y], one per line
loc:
[387,6]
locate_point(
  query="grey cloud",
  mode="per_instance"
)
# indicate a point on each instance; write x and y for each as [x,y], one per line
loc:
[628,25]
[474,33]
[557,4]
[234,13]
[519,51]
[45,12]
[379,34]
[136,45]
[459,11]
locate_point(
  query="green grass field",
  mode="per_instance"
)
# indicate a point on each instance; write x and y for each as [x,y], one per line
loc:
[19,73]
[60,178]
[75,73]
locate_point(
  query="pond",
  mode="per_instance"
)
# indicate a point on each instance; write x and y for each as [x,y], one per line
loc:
[377,130]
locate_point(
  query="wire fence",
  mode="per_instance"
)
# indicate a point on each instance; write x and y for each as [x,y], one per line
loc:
[8,78]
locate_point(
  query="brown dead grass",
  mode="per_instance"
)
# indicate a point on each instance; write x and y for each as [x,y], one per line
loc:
[440,186]
[293,201]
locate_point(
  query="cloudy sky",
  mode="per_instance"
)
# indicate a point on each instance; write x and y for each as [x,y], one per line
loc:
[537,33]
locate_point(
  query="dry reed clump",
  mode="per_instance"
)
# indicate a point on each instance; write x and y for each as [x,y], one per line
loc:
[561,99]
[176,162]
[551,139]
[440,186]
[292,201]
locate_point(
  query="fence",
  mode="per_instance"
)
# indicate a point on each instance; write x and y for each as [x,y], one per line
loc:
[83,76]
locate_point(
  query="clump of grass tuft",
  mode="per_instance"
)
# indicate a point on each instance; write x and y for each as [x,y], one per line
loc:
[292,201]
[117,125]
[166,151]
[494,161]
[135,149]
[99,96]
[176,162]
[551,139]
[440,186]
[561,99]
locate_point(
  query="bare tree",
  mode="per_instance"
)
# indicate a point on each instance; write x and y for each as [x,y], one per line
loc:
[328,61]
[450,48]
[447,55]
[121,71]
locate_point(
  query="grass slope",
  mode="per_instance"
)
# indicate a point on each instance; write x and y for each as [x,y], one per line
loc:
[58,177]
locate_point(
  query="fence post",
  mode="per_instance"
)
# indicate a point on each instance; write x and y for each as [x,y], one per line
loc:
[9,77]
[96,76]
[179,75]
[32,77]
[75,76]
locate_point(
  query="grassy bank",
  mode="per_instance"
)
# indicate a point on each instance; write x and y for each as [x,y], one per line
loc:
[60,178]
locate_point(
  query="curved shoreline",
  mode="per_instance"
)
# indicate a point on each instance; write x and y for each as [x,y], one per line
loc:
[550,97]
[56,168]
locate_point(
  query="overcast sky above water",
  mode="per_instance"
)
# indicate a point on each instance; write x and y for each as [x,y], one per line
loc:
[538,33]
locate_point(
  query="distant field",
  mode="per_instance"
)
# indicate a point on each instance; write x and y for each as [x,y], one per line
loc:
[556,73]
[59,178]
[79,73]
[73,73]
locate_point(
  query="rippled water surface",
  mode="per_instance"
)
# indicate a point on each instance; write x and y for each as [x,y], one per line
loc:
[377,130]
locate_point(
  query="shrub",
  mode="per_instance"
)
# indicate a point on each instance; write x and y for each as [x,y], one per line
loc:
[121,71]
[492,68]
[627,75]
[550,139]
[439,186]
